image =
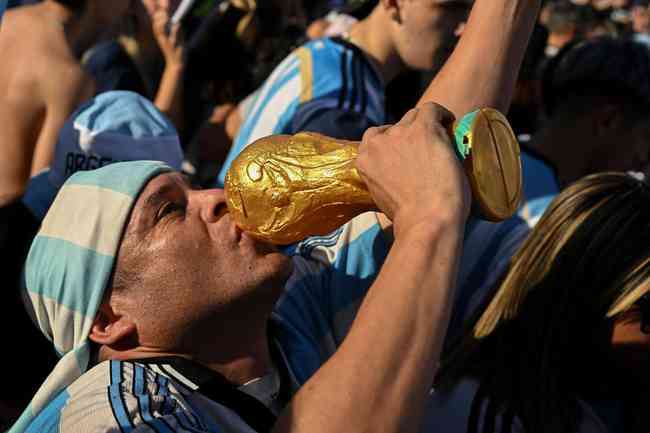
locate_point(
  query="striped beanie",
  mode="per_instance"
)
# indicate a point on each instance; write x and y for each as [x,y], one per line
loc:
[70,264]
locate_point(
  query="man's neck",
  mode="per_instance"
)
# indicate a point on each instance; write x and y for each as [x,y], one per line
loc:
[371,36]
[238,356]
[242,364]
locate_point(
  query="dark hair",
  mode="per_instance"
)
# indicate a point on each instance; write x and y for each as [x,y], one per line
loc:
[360,9]
[563,16]
[616,69]
[76,5]
[534,346]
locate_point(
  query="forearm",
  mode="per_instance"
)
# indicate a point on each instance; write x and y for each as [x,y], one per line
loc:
[483,69]
[379,378]
[169,98]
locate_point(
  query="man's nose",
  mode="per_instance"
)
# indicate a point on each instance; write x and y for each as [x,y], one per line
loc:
[211,204]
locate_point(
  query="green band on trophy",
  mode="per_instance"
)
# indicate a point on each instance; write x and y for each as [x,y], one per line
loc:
[463,135]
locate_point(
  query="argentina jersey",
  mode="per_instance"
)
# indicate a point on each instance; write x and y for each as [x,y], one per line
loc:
[540,186]
[333,273]
[326,86]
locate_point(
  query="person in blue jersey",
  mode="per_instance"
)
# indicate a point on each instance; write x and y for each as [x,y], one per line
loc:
[596,97]
[163,311]
[335,86]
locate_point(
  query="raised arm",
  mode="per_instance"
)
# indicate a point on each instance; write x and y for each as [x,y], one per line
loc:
[379,378]
[483,68]
[169,97]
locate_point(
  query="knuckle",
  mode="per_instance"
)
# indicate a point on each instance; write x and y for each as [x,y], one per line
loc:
[369,133]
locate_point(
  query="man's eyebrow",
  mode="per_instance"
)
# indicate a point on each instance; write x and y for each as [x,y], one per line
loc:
[159,196]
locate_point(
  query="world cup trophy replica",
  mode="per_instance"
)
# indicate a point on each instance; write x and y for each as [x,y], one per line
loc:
[284,188]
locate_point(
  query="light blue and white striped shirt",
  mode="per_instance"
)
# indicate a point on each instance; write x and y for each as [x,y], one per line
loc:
[325,86]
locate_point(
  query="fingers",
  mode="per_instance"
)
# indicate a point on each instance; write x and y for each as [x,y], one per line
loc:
[408,118]
[175,34]
[431,116]
[431,113]
[160,20]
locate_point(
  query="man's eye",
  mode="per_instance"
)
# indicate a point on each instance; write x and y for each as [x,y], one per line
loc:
[169,208]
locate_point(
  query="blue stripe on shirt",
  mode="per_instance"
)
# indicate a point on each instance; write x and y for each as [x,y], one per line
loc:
[49,419]
[116,399]
[144,402]
[243,138]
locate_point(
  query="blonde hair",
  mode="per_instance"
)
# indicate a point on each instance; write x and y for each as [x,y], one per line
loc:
[535,260]
[534,345]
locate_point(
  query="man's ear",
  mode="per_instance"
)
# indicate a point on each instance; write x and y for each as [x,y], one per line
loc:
[393,9]
[111,329]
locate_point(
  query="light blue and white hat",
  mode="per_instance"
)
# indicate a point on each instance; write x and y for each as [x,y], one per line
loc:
[3,6]
[69,267]
[111,127]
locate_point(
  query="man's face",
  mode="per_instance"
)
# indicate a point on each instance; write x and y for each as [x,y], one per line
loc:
[426,32]
[641,19]
[190,265]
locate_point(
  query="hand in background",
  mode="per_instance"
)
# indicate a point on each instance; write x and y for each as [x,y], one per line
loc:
[169,37]
[244,5]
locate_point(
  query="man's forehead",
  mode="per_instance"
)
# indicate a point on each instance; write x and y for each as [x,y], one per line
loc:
[158,181]
[163,183]
[152,194]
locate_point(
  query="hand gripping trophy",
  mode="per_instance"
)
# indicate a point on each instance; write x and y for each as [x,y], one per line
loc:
[284,188]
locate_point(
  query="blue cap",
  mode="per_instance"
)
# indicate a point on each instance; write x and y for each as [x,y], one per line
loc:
[111,127]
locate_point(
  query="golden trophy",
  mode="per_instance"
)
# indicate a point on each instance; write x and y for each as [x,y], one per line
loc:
[284,188]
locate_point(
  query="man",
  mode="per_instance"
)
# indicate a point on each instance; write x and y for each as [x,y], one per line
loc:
[111,127]
[596,97]
[641,18]
[41,80]
[156,289]
[335,86]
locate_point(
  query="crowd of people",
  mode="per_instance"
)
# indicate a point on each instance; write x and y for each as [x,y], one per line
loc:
[133,302]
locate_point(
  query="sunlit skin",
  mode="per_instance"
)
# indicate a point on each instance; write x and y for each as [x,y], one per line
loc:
[40,90]
[419,34]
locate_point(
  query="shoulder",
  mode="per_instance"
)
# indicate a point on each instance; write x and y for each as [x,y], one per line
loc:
[117,396]
[342,95]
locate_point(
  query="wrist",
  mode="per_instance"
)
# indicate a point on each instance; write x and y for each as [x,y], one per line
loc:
[175,66]
[430,224]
